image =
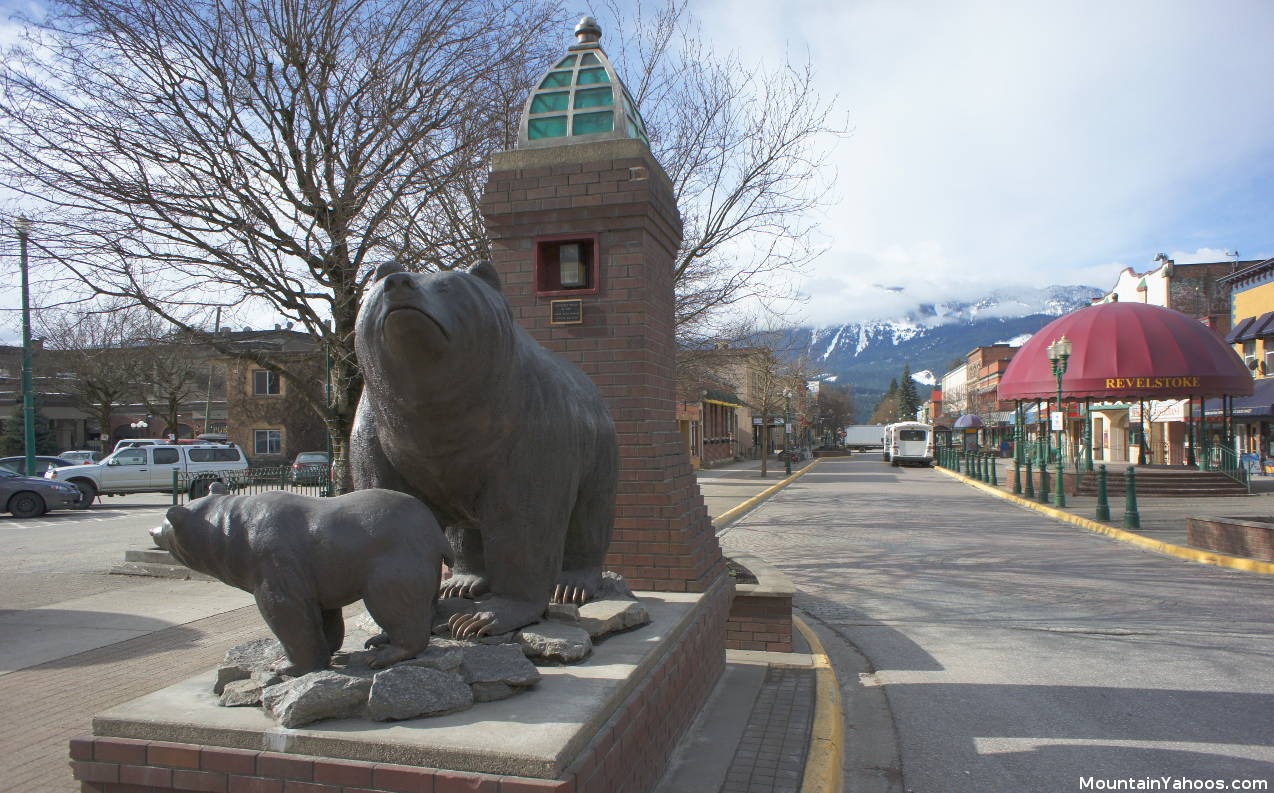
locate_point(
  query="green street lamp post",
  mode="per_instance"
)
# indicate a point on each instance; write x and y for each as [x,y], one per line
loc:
[1059,353]
[23,226]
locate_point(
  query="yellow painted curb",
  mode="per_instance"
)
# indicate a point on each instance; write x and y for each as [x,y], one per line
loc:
[827,738]
[720,521]
[1179,551]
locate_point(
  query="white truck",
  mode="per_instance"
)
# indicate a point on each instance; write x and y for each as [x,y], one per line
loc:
[149,469]
[864,436]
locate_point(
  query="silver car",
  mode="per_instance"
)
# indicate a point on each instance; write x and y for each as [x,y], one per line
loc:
[29,497]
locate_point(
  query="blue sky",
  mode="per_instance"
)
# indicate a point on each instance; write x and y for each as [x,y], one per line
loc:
[1028,142]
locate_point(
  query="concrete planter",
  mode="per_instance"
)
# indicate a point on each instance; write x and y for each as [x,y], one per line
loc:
[761,614]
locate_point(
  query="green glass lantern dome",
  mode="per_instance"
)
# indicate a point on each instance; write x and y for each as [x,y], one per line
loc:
[581,99]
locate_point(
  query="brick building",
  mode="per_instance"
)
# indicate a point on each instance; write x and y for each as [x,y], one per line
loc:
[266,415]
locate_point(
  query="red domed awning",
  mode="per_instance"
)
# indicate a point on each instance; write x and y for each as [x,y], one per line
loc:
[1128,351]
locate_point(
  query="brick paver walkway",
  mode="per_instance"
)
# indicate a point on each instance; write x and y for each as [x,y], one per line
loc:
[771,756]
[43,707]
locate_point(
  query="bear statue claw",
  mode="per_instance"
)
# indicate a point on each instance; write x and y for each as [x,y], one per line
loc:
[376,641]
[497,615]
[463,585]
[570,594]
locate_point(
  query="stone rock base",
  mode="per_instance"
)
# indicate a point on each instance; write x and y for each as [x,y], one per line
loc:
[596,727]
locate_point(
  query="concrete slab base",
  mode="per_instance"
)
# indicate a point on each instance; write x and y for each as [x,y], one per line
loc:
[565,729]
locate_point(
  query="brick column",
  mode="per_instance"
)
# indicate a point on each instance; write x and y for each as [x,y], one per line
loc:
[616,190]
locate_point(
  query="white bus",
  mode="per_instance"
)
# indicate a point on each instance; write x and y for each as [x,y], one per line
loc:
[909,442]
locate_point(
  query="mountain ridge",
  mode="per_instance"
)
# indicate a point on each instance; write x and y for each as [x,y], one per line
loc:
[867,355]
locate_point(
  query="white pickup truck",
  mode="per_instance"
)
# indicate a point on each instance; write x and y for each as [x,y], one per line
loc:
[149,469]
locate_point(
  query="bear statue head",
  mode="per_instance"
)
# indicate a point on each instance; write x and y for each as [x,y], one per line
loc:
[185,531]
[414,324]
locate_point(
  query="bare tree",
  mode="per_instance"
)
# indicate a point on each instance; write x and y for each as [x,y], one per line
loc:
[777,382]
[745,147]
[98,352]
[835,408]
[173,377]
[257,155]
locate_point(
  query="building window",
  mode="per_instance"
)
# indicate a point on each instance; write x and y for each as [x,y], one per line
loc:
[264,383]
[268,441]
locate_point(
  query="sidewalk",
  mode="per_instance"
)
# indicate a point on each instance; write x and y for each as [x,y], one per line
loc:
[1163,518]
[753,737]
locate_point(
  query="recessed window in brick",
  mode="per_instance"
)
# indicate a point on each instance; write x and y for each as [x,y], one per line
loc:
[566,266]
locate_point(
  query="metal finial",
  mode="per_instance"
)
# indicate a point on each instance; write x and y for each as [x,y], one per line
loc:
[587,31]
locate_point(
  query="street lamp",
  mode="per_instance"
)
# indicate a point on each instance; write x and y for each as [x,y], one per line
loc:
[1059,353]
[23,225]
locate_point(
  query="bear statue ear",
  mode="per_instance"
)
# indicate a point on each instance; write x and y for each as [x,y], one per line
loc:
[387,268]
[486,271]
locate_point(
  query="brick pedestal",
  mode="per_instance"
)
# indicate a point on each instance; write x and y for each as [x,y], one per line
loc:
[627,751]
[614,192]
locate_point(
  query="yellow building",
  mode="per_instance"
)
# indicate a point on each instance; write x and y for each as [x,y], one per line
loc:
[1252,334]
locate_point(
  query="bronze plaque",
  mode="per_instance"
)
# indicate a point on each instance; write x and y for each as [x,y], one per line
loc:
[566,312]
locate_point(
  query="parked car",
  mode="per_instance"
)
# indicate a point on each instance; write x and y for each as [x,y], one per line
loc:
[82,456]
[149,469]
[42,463]
[30,497]
[310,468]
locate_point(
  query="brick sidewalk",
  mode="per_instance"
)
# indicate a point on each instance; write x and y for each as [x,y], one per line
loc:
[771,756]
[40,719]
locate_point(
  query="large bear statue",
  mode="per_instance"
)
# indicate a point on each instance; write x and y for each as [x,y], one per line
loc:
[509,443]
[304,557]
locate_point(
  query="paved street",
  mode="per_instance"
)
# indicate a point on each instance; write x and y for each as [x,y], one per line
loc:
[1018,653]
[78,546]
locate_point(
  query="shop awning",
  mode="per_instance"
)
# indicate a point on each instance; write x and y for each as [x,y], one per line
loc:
[1127,351]
[714,396]
[1238,330]
[1260,403]
[1261,326]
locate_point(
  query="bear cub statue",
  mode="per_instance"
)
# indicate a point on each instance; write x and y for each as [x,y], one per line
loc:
[303,558]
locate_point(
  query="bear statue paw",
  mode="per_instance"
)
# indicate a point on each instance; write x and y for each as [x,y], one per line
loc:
[576,586]
[495,615]
[388,655]
[463,585]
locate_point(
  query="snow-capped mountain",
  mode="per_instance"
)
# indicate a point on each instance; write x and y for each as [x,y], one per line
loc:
[932,338]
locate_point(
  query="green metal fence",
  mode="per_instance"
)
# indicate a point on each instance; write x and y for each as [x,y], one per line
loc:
[307,482]
[1224,460]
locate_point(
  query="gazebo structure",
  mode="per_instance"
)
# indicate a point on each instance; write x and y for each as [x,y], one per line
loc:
[966,423]
[1129,358]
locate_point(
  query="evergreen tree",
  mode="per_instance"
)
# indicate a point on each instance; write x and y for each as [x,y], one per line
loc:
[908,398]
[886,410]
[13,441]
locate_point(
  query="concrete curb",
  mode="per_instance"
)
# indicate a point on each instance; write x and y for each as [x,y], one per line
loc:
[827,737]
[1159,546]
[731,515]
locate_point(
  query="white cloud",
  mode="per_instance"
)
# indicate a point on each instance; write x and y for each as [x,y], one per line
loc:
[1027,143]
